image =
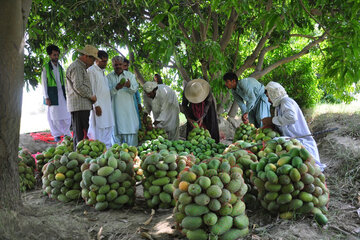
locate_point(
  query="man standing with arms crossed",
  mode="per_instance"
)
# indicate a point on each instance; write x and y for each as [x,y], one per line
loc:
[79,92]
[101,118]
[53,82]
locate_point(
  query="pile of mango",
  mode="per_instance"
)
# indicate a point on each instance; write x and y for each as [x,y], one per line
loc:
[26,167]
[92,148]
[243,132]
[147,131]
[209,201]
[248,133]
[198,133]
[25,157]
[289,182]
[243,159]
[139,173]
[160,171]
[108,181]
[61,177]
[51,153]
[27,177]
[203,148]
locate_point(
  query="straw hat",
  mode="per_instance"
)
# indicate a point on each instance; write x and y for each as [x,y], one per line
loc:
[90,51]
[197,90]
[149,86]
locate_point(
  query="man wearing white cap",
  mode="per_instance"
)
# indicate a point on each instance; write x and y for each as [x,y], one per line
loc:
[123,86]
[199,106]
[290,119]
[79,93]
[162,101]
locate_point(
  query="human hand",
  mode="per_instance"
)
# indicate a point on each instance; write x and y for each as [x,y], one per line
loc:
[119,86]
[93,99]
[245,118]
[98,111]
[47,101]
[127,84]
[200,121]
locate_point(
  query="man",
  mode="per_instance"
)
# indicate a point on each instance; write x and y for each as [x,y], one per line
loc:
[249,94]
[137,99]
[199,106]
[162,101]
[157,79]
[290,120]
[101,118]
[123,86]
[53,82]
[79,92]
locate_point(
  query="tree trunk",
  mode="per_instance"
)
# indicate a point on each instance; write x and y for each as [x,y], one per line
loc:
[12,27]
[233,110]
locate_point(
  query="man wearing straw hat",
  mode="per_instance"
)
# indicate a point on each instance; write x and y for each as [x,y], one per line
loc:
[199,106]
[79,92]
[162,101]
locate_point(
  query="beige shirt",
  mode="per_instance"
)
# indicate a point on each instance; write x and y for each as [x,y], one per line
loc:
[78,87]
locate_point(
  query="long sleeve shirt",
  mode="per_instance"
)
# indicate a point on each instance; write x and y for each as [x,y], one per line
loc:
[123,103]
[78,87]
[247,91]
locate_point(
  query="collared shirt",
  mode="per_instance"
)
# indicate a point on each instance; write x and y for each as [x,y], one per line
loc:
[100,88]
[123,103]
[247,91]
[78,87]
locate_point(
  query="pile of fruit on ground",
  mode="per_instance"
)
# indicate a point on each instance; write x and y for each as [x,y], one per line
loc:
[147,131]
[209,185]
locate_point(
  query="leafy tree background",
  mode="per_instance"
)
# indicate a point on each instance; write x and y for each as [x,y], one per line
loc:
[310,46]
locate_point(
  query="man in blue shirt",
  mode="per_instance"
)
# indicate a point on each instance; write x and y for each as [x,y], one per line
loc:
[250,95]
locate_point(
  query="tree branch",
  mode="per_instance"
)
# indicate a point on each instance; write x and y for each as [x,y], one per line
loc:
[183,30]
[262,56]
[304,36]
[304,51]
[229,29]
[251,59]
[215,26]
[318,22]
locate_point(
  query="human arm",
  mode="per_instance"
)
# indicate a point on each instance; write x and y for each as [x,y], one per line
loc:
[167,100]
[288,109]
[44,85]
[79,79]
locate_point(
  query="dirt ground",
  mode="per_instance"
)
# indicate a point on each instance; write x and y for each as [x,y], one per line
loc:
[42,218]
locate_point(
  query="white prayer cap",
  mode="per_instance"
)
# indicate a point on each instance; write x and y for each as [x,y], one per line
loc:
[149,86]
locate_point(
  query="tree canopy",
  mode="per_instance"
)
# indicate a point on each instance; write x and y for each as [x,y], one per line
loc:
[310,46]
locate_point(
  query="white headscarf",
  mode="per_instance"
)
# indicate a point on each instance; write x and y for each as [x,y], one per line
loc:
[276,92]
[149,86]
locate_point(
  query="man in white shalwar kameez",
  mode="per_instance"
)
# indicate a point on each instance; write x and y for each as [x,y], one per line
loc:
[162,101]
[53,82]
[290,119]
[122,103]
[101,118]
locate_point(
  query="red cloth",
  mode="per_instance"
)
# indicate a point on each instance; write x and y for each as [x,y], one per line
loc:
[43,136]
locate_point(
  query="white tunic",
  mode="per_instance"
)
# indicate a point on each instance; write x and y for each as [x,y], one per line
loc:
[100,88]
[122,103]
[56,112]
[291,122]
[165,109]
